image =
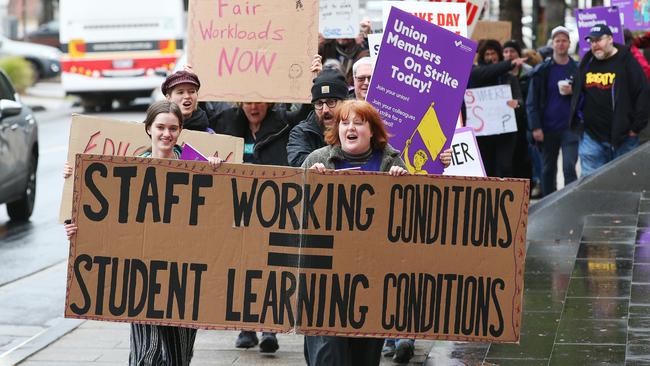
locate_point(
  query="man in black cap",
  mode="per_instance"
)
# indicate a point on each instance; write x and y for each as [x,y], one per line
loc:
[610,101]
[328,91]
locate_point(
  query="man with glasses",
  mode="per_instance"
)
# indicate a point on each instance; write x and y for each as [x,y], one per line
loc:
[610,101]
[327,92]
[361,73]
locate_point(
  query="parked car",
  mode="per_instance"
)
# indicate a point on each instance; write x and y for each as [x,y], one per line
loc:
[47,34]
[18,153]
[45,60]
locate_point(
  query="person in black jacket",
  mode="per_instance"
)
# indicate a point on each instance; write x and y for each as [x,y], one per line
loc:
[265,136]
[492,69]
[328,91]
[264,132]
[610,101]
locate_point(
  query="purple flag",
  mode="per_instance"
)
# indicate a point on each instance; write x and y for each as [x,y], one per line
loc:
[418,85]
[587,18]
[190,153]
[636,13]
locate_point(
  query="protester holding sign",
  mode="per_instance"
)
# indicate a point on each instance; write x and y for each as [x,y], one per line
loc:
[266,136]
[155,344]
[357,140]
[492,69]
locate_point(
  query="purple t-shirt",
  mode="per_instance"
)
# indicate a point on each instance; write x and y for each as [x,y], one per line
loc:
[556,114]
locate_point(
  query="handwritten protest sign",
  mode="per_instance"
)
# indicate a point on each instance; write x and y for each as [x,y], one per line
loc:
[418,85]
[635,14]
[286,249]
[488,112]
[493,29]
[450,16]
[465,156]
[473,10]
[374,41]
[234,44]
[339,18]
[587,18]
[93,135]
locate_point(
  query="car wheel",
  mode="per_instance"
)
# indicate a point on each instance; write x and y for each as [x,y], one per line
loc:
[22,209]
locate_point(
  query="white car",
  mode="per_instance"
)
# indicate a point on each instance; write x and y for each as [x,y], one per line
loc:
[45,60]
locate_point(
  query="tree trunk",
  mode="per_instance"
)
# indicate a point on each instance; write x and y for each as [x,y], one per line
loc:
[553,16]
[47,10]
[511,11]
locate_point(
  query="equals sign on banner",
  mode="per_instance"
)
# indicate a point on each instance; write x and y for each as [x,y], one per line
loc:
[300,260]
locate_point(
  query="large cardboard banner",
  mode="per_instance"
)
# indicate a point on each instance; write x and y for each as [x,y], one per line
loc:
[500,30]
[450,16]
[473,9]
[466,158]
[339,18]
[418,85]
[587,18]
[488,112]
[290,250]
[93,135]
[635,14]
[253,51]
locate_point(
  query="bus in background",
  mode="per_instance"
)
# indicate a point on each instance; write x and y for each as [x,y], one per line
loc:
[119,49]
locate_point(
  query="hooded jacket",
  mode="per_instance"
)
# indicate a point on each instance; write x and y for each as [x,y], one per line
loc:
[630,96]
[272,137]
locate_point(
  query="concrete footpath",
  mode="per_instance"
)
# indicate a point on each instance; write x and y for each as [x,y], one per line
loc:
[107,343]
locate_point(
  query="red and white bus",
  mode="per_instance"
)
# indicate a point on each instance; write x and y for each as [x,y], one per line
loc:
[118,49]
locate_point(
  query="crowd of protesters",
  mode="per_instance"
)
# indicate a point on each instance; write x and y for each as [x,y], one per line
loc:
[559,104]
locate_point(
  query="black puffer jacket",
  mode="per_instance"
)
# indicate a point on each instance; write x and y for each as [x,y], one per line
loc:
[306,137]
[631,93]
[272,137]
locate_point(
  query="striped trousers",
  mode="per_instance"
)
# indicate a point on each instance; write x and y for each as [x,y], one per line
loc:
[155,345]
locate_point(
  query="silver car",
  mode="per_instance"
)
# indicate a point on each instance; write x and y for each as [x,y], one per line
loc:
[18,153]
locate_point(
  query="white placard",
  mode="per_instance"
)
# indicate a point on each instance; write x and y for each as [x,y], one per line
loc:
[488,112]
[374,41]
[451,16]
[465,155]
[339,18]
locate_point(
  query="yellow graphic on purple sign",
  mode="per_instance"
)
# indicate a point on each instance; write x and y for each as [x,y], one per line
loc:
[434,139]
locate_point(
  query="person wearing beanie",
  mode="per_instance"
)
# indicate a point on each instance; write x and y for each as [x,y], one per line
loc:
[491,70]
[548,105]
[327,92]
[182,88]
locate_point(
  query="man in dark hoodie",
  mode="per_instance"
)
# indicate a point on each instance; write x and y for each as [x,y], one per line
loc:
[182,88]
[328,91]
[610,101]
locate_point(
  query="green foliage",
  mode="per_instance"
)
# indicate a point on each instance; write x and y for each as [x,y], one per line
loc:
[19,71]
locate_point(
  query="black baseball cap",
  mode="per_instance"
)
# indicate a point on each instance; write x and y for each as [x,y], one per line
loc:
[597,31]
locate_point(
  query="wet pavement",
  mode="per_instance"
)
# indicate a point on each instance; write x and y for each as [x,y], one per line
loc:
[585,302]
